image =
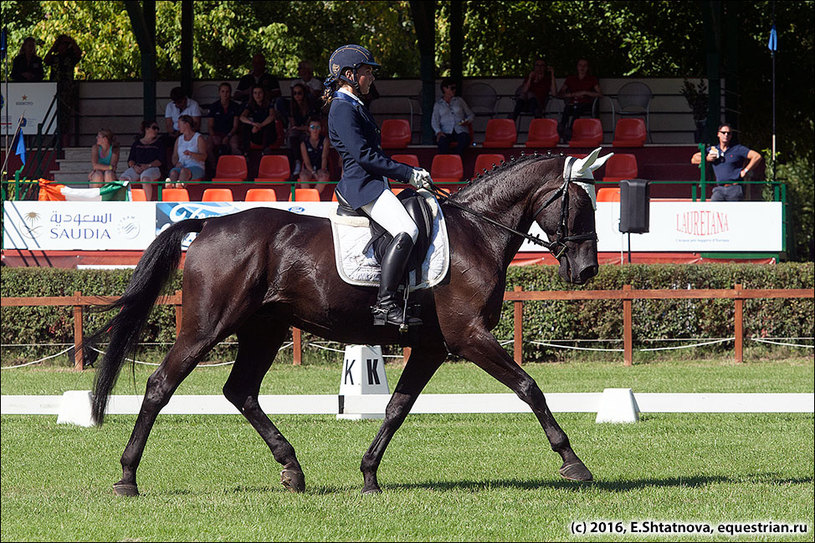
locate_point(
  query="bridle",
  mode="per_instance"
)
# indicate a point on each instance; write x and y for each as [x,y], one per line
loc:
[557,247]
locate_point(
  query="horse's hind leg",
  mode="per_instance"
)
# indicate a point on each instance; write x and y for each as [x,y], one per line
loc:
[258,343]
[487,353]
[179,362]
[422,364]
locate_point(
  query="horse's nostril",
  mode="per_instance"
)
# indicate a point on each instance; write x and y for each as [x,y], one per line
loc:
[588,272]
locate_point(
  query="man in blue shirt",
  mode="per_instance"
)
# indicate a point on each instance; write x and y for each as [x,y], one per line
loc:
[728,161]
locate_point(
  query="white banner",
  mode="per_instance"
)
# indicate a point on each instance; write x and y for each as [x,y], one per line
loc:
[691,227]
[78,226]
[674,226]
[31,100]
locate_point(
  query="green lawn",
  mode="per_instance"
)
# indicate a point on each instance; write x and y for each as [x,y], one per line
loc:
[444,477]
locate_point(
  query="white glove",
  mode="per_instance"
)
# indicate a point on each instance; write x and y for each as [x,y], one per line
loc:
[420,178]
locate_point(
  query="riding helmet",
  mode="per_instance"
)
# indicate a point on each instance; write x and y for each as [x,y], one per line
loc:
[348,56]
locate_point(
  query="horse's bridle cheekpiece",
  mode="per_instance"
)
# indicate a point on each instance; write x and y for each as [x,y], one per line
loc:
[557,247]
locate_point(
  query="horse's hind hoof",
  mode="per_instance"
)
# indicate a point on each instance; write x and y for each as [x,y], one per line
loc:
[372,490]
[293,480]
[125,489]
[576,471]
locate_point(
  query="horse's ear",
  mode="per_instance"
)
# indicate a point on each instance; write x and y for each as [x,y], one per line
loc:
[590,163]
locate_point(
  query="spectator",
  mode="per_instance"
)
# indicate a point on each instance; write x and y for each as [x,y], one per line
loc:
[306,73]
[189,154]
[179,105]
[451,115]
[579,92]
[533,94]
[300,110]
[63,57]
[146,158]
[223,132]
[258,76]
[314,154]
[728,161]
[27,66]
[104,159]
[258,122]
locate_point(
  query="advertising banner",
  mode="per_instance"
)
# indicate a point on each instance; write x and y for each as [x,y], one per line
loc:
[674,226]
[31,100]
[83,226]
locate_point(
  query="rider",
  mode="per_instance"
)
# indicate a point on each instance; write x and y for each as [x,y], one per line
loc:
[364,184]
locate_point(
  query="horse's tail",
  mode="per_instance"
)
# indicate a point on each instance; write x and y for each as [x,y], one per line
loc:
[155,268]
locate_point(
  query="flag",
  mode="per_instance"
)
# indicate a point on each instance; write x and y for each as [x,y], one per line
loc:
[773,44]
[115,190]
[20,149]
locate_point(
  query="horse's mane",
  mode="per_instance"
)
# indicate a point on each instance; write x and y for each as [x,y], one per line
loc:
[482,178]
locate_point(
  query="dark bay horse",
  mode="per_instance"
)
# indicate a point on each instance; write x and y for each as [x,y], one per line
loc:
[258,272]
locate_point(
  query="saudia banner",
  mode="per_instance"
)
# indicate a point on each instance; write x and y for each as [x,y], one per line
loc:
[674,226]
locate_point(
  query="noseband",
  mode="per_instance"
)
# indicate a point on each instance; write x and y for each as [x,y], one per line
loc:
[557,247]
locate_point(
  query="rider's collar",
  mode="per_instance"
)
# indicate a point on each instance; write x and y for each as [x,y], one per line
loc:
[344,92]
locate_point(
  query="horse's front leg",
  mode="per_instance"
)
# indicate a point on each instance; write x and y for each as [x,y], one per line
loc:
[483,349]
[420,367]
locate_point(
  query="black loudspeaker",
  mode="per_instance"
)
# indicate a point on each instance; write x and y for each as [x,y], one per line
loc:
[635,201]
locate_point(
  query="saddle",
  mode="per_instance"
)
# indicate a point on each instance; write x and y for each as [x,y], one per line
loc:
[419,211]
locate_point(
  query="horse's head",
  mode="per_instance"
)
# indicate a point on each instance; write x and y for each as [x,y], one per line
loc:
[566,214]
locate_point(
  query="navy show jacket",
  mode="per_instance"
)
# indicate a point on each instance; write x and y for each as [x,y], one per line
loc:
[356,137]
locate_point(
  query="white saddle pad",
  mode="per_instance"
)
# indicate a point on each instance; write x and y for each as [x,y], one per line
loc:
[351,234]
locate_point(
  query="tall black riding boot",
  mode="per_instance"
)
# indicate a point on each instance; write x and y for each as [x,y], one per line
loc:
[389,304]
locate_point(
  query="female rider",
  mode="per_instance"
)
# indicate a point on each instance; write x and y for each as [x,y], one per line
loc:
[364,184]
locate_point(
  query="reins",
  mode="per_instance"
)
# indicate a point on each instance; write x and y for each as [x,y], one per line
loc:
[562,233]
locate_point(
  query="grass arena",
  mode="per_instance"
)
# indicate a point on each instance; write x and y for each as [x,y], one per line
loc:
[485,477]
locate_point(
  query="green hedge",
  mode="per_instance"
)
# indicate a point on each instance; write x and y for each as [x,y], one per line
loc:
[543,321]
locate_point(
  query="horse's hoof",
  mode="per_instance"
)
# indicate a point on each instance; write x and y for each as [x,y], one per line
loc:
[293,480]
[576,471]
[125,489]
[372,490]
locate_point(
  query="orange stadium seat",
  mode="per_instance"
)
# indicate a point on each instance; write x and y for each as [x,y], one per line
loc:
[261,195]
[410,160]
[447,168]
[138,195]
[175,195]
[395,133]
[500,133]
[486,161]
[273,168]
[629,132]
[306,195]
[586,133]
[608,194]
[621,166]
[217,195]
[542,133]
[230,169]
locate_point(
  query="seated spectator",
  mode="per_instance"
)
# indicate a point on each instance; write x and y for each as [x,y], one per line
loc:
[579,92]
[314,154]
[728,159]
[223,132]
[104,159]
[27,66]
[300,110]
[306,73]
[451,115]
[146,158]
[258,122]
[533,94]
[189,154]
[258,76]
[180,104]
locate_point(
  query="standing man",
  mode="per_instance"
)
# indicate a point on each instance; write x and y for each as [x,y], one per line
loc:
[728,160]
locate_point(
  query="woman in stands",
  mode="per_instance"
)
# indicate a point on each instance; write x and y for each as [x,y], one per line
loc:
[146,158]
[258,122]
[104,159]
[364,183]
[314,155]
[189,154]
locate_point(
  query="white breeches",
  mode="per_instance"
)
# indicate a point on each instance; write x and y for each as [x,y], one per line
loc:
[391,215]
